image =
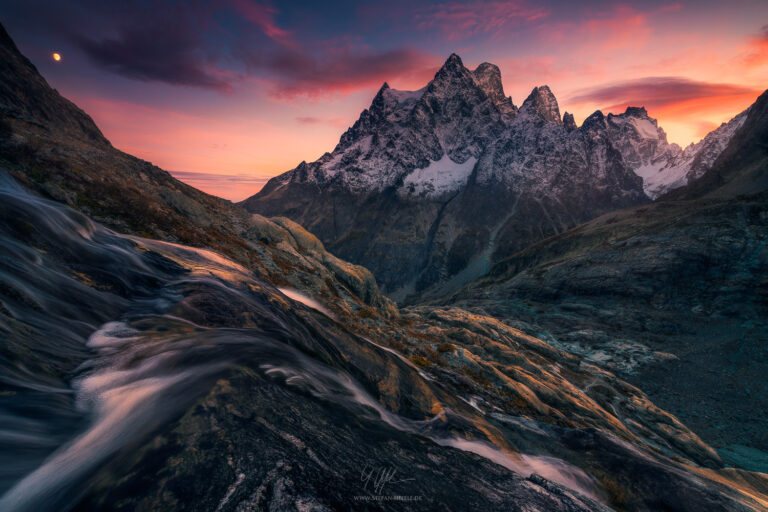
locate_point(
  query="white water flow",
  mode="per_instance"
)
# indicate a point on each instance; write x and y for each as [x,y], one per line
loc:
[119,362]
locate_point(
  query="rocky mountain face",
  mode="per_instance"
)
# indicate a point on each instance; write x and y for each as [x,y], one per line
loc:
[430,188]
[670,295]
[181,353]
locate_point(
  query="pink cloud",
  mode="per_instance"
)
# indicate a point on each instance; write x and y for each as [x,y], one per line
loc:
[459,20]
[335,121]
[530,70]
[344,70]
[670,8]
[263,16]
[621,28]
[233,186]
[756,52]
[687,109]
[661,92]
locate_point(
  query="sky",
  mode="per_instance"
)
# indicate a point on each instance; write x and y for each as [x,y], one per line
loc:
[225,94]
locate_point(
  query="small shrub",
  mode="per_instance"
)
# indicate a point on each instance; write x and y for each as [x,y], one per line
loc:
[420,361]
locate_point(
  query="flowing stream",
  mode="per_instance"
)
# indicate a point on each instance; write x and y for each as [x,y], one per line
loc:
[106,339]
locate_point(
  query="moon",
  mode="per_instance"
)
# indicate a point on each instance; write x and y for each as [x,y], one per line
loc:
[56,56]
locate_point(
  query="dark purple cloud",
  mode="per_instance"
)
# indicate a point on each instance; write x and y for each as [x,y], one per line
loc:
[155,51]
[186,47]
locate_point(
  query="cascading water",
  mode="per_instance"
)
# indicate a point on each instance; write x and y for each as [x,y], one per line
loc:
[140,330]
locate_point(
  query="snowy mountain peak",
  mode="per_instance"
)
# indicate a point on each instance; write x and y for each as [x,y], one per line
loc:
[569,122]
[379,99]
[488,76]
[543,103]
[453,62]
[454,173]
[452,69]
[426,143]
[636,112]
[635,119]
[452,76]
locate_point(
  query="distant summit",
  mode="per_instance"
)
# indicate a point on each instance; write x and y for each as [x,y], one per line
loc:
[445,180]
[541,102]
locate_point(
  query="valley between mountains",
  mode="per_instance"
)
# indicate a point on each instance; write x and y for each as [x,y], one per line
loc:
[499,308]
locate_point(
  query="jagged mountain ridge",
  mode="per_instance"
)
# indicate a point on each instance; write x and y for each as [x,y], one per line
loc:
[447,180]
[672,295]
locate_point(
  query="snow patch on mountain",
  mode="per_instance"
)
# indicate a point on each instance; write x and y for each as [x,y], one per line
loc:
[643,127]
[673,168]
[439,177]
[406,96]
[657,179]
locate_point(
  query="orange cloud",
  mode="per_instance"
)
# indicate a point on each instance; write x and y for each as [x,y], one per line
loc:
[682,106]
[756,53]
[623,27]
[662,92]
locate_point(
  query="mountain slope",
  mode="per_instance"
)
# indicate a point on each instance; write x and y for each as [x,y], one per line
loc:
[142,373]
[671,295]
[54,148]
[430,188]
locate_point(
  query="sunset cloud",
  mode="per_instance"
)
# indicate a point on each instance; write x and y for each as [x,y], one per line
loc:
[156,51]
[620,28]
[756,53]
[686,109]
[174,51]
[252,87]
[311,120]
[263,16]
[463,19]
[660,92]
[342,70]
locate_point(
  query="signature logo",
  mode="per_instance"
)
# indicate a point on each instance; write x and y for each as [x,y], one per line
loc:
[376,478]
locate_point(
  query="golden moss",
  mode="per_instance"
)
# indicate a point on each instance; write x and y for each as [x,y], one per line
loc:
[420,361]
[617,494]
[476,377]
